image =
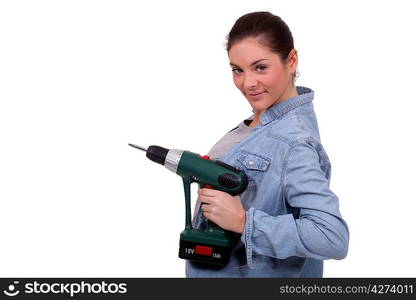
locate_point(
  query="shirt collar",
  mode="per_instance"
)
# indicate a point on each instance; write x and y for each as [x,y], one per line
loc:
[305,95]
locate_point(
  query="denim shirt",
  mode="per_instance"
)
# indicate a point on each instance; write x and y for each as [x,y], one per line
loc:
[293,221]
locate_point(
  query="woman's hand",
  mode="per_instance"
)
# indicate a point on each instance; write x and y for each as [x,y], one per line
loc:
[223,209]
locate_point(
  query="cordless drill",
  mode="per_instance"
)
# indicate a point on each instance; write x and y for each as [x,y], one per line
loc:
[212,245]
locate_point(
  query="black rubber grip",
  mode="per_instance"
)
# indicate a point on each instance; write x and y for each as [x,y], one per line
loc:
[228,180]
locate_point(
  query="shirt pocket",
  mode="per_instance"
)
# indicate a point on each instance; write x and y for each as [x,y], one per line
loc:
[255,166]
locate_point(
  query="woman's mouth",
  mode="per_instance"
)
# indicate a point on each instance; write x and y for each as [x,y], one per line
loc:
[256,95]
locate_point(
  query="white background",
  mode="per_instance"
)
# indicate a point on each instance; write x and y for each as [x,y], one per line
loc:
[79,80]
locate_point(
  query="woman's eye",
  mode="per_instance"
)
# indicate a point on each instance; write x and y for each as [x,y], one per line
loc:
[259,68]
[262,68]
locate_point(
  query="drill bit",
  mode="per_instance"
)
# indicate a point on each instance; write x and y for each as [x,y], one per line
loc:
[138,147]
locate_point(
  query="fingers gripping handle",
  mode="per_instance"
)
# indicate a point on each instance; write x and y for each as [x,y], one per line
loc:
[211,225]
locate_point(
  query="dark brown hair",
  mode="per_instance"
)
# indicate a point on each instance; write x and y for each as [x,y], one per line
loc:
[268,29]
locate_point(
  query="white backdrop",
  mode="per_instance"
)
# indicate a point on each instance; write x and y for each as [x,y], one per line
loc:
[79,80]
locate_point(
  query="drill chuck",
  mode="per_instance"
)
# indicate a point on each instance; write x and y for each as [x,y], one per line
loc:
[157,154]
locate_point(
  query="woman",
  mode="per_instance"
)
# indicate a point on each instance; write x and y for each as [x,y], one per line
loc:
[288,218]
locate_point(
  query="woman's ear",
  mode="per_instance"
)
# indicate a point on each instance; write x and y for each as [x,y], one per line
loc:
[292,61]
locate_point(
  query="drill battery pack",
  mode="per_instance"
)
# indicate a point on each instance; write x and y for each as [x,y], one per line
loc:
[204,253]
[212,246]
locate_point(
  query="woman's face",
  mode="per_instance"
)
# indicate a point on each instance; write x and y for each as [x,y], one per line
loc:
[260,74]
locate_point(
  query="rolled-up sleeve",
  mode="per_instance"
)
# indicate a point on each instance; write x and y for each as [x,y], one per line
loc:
[317,232]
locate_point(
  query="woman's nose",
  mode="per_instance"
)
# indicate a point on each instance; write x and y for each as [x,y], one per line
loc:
[250,82]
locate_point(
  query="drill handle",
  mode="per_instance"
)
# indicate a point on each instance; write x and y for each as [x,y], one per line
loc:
[187,181]
[187,190]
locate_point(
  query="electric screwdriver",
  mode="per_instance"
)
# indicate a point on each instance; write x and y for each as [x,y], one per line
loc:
[212,245]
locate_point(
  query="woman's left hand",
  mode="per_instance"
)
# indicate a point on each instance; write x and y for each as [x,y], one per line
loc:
[223,209]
